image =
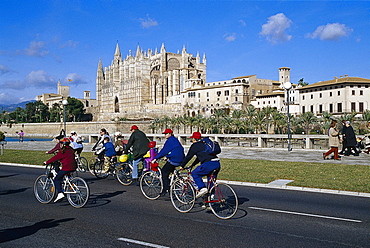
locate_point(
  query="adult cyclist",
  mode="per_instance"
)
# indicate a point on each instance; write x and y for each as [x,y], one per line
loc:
[208,162]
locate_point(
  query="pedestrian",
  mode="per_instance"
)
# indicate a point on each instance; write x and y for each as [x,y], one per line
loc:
[344,140]
[367,139]
[350,140]
[139,143]
[333,141]
[174,153]
[21,136]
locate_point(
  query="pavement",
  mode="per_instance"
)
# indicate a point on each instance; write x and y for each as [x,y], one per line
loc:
[272,154]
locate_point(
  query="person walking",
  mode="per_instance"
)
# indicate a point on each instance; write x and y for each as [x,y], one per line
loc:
[344,141]
[21,136]
[333,141]
[139,143]
[350,140]
[174,152]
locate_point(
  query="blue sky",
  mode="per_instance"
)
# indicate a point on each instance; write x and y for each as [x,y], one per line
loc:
[42,41]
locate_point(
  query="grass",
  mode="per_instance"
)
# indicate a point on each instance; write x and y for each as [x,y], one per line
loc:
[314,175]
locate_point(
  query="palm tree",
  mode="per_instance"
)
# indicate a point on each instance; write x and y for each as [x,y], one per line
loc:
[307,118]
[277,120]
[258,121]
[267,111]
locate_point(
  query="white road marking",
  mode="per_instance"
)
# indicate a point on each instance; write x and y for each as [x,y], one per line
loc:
[311,215]
[142,243]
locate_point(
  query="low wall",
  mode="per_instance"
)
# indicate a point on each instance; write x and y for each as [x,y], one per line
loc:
[82,128]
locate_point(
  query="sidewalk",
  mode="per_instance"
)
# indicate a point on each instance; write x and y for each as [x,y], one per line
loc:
[273,154]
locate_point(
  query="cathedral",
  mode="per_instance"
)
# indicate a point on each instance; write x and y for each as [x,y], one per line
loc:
[147,84]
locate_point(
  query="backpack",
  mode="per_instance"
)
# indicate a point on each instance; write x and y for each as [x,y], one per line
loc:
[211,147]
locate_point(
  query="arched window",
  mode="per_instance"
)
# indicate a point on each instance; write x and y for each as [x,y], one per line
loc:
[116,105]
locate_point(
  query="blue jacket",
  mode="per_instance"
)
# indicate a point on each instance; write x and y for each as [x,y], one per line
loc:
[109,149]
[173,150]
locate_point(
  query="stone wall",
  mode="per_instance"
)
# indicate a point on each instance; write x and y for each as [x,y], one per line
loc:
[82,128]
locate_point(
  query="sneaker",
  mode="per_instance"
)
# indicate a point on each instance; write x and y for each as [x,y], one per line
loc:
[202,192]
[60,196]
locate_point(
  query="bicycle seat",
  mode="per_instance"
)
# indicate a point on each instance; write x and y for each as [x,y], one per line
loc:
[215,171]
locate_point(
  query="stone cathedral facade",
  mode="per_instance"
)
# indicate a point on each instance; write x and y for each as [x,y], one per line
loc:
[147,84]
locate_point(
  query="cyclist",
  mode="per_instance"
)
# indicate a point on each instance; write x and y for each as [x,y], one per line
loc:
[174,152]
[76,142]
[139,142]
[208,162]
[108,149]
[149,156]
[67,159]
[103,133]
[120,143]
[57,145]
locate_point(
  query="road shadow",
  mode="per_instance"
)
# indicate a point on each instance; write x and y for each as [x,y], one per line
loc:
[97,200]
[11,175]
[12,191]
[10,234]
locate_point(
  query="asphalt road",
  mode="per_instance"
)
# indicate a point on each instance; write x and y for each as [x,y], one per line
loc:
[119,216]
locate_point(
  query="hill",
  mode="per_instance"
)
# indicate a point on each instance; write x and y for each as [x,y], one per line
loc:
[12,107]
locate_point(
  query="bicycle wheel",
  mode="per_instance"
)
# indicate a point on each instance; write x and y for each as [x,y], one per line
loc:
[124,173]
[182,195]
[44,189]
[91,166]
[223,201]
[79,194]
[151,185]
[83,164]
[100,170]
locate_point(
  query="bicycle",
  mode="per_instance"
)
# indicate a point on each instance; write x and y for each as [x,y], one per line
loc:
[103,167]
[151,182]
[221,198]
[75,188]
[82,163]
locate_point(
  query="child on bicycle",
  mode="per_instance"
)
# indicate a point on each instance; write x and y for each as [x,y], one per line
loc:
[174,152]
[153,151]
[208,162]
[67,159]
[108,149]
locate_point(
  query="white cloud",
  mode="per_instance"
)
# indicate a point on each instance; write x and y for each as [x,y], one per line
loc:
[13,84]
[36,49]
[230,37]
[76,79]
[69,43]
[330,31]
[275,28]
[40,79]
[148,22]
[243,23]
[4,69]
[8,99]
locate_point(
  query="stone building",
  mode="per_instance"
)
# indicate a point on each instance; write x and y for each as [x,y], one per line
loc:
[170,84]
[337,96]
[147,84]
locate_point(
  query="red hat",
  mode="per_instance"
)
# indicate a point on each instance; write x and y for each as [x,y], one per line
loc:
[196,135]
[134,127]
[167,131]
[152,144]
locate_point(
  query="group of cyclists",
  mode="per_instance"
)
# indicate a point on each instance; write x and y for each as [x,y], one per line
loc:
[143,150]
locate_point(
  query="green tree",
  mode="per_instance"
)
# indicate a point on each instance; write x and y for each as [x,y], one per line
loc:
[74,109]
[302,82]
[307,119]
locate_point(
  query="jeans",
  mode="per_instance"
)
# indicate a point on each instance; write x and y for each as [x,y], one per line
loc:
[58,180]
[135,172]
[203,170]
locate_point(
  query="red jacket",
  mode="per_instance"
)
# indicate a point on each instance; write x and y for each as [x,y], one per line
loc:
[67,159]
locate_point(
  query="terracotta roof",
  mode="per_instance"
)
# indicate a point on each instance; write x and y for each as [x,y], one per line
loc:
[277,93]
[336,81]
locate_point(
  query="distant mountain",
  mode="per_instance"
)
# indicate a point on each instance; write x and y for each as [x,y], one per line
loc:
[12,107]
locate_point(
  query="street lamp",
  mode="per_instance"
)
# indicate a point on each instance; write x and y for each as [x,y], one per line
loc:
[287,87]
[65,103]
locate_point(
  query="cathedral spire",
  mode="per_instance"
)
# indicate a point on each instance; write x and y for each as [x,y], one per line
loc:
[183,49]
[163,49]
[204,59]
[138,52]
[117,53]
